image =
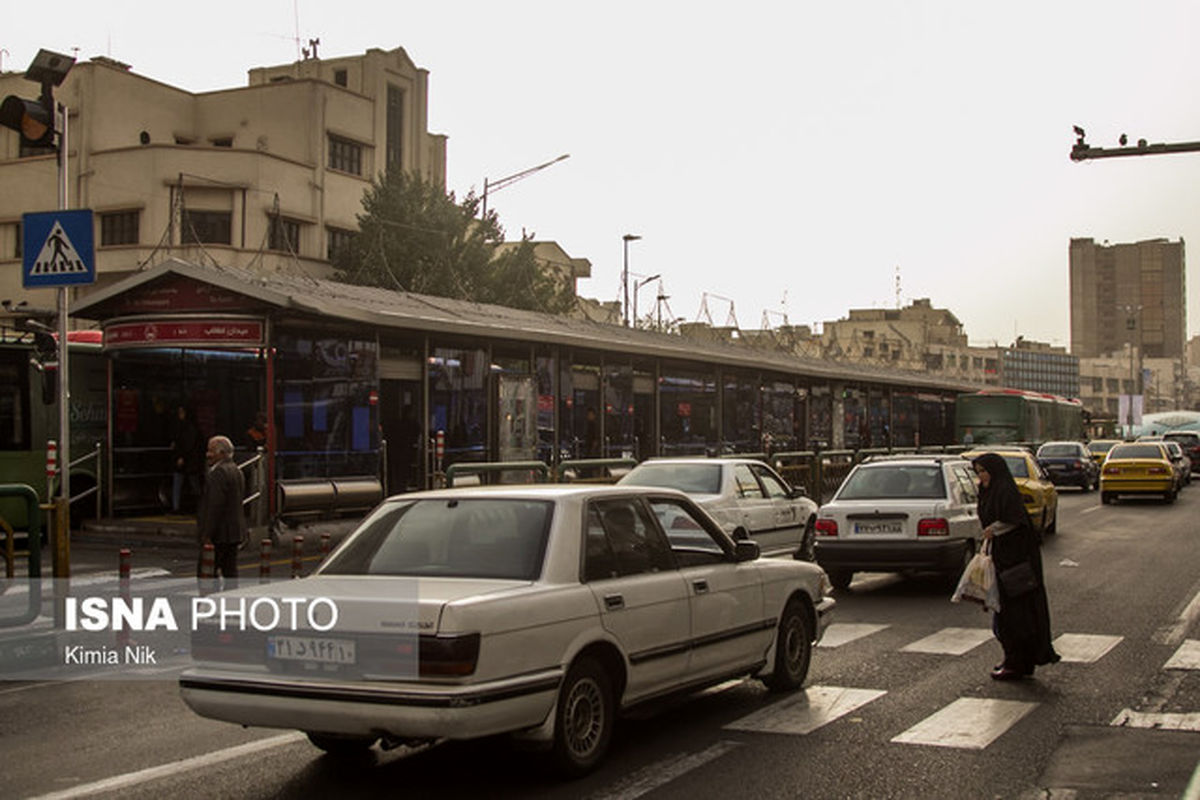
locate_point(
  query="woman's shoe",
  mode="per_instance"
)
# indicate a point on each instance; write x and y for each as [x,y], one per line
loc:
[1007,674]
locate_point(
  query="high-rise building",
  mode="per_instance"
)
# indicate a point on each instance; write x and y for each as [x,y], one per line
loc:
[1128,294]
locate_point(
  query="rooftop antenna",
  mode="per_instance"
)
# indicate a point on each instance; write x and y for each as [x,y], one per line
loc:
[296,19]
[897,286]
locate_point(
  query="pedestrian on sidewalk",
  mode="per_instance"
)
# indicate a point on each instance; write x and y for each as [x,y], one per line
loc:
[219,517]
[186,462]
[1023,622]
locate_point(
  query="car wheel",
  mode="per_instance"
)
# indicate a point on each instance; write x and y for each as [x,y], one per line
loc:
[1052,528]
[1086,485]
[340,745]
[840,578]
[1108,497]
[1170,496]
[808,547]
[584,719]
[793,650]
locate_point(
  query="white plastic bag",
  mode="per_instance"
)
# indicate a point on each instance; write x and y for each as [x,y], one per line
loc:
[978,582]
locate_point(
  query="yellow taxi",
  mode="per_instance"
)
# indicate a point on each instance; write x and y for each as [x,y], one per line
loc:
[1138,468]
[1099,448]
[1038,493]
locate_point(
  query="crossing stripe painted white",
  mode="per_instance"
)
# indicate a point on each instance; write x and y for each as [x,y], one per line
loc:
[840,633]
[970,723]
[1186,657]
[1174,633]
[806,711]
[1157,720]
[1082,648]
[950,641]
[119,782]
[647,779]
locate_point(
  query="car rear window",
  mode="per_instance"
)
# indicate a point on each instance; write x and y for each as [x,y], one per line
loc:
[1058,450]
[1136,451]
[467,538]
[894,481]
[1101,447]
[689,478]
[1189,439]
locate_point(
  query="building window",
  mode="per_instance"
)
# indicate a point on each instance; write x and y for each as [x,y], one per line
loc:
[345,155]
[395,124]
[868,352]
[336,239]
[339,77]
[224,141]
[17,240]
[1114,386]
[284,235]
[207,227]
[119,227]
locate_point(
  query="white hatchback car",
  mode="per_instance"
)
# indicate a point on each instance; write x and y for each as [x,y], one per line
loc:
[741,492]
[900,513]
[540,611]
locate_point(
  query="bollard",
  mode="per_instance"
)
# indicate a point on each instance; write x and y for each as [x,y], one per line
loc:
[297,555]
[208,561]
[324,546]
[264,561]
[123,559]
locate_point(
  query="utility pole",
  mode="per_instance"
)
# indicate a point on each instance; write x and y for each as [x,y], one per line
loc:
[1082,151]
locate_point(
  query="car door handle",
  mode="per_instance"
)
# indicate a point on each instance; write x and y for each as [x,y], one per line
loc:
[700,586]
[614,601]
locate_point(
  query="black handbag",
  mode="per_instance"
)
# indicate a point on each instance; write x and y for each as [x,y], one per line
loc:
[1018,579]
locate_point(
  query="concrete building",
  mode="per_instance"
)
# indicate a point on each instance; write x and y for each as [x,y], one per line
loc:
[1128,294]
[1039,367]
[269,176]
[1164,383]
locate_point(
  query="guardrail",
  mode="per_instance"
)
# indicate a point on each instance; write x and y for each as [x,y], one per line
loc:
[33,551]
[594,470]
[99,471]
[477,472]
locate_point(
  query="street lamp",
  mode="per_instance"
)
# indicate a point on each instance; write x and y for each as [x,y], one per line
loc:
[636,288]
[497,185]
[1131,324]
[627,238]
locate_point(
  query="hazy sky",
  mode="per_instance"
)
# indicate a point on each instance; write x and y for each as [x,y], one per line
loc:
[786,156]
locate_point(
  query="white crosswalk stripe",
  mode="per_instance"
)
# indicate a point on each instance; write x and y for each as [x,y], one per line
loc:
[840,633]
[1083,648]
[1186,657]
[805,711]
[970,723]
[950,641]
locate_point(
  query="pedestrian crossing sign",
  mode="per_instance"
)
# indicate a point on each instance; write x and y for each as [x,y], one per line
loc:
[57,248]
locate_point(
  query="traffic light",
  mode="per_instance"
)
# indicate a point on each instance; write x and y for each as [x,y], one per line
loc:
[33,119]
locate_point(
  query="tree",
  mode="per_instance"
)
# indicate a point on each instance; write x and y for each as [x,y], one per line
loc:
[415,237]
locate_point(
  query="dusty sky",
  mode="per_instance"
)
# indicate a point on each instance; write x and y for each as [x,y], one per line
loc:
[784,158]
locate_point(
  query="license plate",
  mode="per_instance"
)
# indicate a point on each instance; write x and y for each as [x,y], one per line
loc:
[1058,467]
[311,648]
[878,527]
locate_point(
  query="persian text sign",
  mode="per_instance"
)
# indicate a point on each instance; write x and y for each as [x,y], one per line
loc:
[184,332]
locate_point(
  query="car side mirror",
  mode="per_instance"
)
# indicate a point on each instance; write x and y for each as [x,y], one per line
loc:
[740,534]
[745,551]
[798,492]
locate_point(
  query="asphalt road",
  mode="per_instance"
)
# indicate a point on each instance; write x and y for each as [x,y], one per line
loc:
[898,704]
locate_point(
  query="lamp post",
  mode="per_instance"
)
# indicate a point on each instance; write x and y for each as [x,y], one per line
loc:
[1131,324]
[497,185]
[627,238]
[637,287]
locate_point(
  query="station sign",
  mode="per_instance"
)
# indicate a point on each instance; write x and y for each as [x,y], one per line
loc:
[185,333]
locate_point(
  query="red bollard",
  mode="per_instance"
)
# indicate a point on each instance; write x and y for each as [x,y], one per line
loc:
[123,559]
[208,561]
[324,546]
[264,561]
[297,556]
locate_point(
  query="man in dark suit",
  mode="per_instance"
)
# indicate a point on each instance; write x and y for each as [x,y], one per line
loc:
[219,518]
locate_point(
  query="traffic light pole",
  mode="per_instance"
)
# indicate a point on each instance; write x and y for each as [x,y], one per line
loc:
[62,517]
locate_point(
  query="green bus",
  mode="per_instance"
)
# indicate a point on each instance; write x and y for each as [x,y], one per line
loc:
[1003,416]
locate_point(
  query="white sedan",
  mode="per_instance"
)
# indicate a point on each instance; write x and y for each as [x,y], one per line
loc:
[540,611]
[739,492]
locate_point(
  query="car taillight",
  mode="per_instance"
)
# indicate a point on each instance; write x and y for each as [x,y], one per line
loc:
[826,527]
[1077,464]
[448,656]
[1157,471]
[1112,470]
[933,527]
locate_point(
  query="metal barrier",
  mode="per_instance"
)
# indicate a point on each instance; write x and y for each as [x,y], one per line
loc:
[799,468]
[478,472]
[594,470]
[328,495]
[833,467]
[99,472]
[33,551]
[257,499]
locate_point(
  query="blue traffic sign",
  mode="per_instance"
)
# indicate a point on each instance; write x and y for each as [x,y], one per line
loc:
[58,248]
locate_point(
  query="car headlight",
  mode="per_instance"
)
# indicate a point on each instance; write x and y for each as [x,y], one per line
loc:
[824,586]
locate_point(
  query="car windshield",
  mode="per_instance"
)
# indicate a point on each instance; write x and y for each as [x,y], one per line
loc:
[1016,465]
[449,537]
[1101,447]
[689,478]
[894,481]
[1058,450]
[1136,451]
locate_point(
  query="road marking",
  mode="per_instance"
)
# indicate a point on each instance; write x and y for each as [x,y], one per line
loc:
[649,778]
[1186,657]
[1081,648]
[1090,509]
[1162,721]
[840,633]
[1174,633]
[129,779]
[806,711]
[950,641]
[969,723]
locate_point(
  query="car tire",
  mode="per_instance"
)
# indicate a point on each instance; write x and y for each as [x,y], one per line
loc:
[840,578]
[1052,528]
[340,745]
[1107,498]
[808,546]
[793,650]
[1170,496]
[584,719]
[1086,485]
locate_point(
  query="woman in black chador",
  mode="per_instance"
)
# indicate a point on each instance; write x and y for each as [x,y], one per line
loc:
[1023,622]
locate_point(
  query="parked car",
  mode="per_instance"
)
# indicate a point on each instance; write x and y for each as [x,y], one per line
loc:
[1069,464]
[539,611]
[1182,464]
[1037,491]
[739,492]
[1190,442]
[1138,468]
[1099,448]
[900,513]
